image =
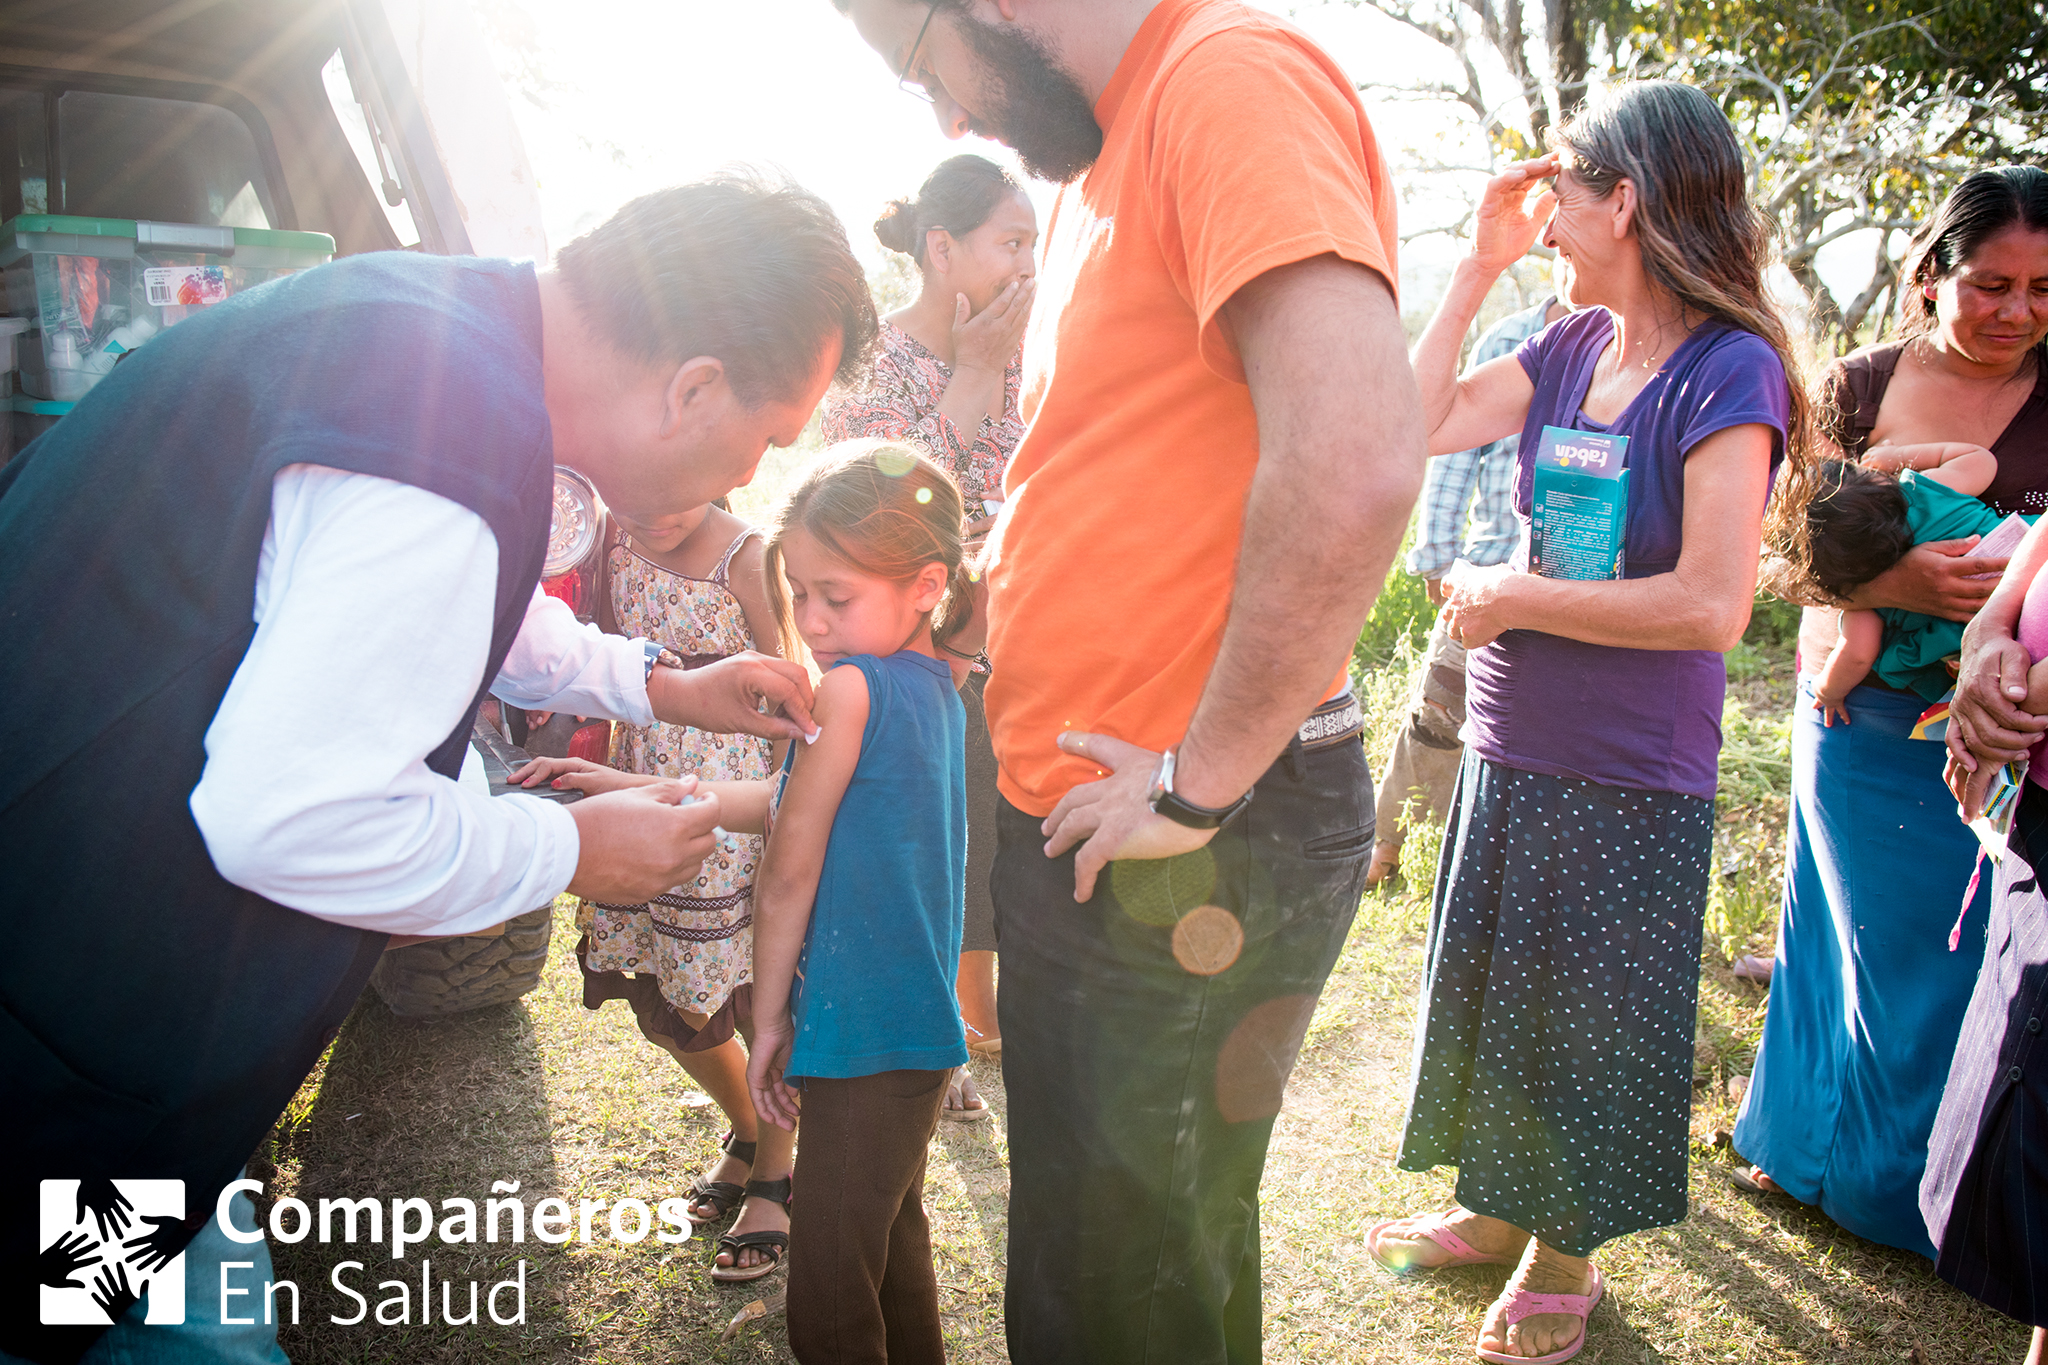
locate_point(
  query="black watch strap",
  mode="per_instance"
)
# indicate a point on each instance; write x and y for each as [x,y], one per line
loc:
[1166,802]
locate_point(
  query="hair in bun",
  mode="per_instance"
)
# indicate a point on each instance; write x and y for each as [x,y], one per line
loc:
[897,230]
[958,196]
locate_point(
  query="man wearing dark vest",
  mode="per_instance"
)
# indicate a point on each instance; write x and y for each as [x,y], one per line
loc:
[323,501]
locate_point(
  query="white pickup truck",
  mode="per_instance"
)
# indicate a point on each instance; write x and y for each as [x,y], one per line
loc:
[381,123]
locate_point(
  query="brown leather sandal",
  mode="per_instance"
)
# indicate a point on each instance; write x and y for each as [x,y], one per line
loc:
[722,1195]
[767,1239]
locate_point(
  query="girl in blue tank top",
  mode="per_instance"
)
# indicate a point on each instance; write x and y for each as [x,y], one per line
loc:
[859,897]
[859,900]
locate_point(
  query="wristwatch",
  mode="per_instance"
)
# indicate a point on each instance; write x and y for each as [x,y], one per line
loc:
[660,656]
[1186,813]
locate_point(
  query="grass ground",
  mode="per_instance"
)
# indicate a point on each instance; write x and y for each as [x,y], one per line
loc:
[574,1104]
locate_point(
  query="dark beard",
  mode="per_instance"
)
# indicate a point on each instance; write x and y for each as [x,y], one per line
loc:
[1039,111]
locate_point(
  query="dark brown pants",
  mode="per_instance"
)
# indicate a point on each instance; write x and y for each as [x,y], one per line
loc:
[861,1286]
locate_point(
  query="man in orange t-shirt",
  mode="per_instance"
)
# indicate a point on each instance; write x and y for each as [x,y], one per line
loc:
[1226,442]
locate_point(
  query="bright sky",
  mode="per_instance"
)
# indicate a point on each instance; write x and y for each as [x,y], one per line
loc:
[636,94]
[652,92]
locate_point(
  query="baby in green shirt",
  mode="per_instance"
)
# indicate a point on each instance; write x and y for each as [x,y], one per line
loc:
[1860,520]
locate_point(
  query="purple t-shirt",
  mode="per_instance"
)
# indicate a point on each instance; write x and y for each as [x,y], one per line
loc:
[1643,718]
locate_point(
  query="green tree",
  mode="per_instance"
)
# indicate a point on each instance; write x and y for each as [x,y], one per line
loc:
[1855,115]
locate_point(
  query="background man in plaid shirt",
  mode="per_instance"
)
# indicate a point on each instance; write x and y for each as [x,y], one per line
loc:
[1424,764]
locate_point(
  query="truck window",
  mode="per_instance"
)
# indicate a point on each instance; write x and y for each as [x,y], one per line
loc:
[24,153]
[378,165]
[172,161]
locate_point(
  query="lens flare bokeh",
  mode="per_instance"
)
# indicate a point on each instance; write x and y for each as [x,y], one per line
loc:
[1207,940]
[1253,1065]
[1156,891]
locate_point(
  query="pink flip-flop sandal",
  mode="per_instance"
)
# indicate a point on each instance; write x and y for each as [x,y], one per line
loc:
[1461,1251]
[1522,1304]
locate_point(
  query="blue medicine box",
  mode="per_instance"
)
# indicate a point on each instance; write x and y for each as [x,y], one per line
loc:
[1578,508]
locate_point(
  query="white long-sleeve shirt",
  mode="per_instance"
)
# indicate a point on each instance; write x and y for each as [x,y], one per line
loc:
[373,610]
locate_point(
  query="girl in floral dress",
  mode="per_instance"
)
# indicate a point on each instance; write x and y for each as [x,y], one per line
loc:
[684,961]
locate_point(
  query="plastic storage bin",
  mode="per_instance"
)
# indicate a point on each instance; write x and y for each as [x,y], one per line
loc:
[10,338]
[97,288]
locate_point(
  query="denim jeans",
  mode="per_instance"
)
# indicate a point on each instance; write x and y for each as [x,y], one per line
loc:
[1147,1037]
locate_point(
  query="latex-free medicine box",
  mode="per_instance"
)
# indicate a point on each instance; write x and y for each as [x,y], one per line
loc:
[1578,508]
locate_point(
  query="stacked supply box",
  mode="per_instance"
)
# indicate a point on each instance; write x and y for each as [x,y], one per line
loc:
[1578,505]
[96,288]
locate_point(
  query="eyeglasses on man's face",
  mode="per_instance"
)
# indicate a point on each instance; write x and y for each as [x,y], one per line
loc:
[924,85]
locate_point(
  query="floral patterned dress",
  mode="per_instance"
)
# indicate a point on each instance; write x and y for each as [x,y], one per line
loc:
[697,940]
[902,404]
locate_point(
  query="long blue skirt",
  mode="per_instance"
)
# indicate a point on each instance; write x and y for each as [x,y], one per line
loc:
[1867,999]
[1554,1049]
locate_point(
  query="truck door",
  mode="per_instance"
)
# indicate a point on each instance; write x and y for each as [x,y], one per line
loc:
[444,134]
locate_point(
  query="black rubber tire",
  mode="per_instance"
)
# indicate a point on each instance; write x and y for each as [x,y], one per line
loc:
[454,975]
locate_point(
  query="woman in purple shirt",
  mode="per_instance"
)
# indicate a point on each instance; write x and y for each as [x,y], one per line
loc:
[1553,1065]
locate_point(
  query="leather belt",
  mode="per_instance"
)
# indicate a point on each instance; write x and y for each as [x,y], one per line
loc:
[1335,721]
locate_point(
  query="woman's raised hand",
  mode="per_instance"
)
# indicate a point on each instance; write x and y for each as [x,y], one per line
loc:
[1507,221]
[988,340]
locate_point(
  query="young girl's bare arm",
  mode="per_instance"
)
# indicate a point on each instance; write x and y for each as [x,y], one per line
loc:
[747,584]
[578,773]
[1849,663]
[788,883]
[742,806]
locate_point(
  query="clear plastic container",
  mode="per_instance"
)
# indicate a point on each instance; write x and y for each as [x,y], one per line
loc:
[10,334]
[97,288]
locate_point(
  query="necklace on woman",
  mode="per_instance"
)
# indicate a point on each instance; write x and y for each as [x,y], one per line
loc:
[1656,354]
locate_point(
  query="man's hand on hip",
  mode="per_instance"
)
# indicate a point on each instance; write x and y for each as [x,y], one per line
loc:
[725,698]
[640,842]
[1113,818]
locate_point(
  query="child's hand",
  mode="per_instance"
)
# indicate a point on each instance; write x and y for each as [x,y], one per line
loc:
[767,1057]
[1830,708]
[1969,786]
[1956,778]
[577,774]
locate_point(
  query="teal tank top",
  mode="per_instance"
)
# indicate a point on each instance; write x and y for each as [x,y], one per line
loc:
[874,988]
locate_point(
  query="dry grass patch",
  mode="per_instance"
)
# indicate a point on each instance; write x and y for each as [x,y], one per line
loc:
[576,1105]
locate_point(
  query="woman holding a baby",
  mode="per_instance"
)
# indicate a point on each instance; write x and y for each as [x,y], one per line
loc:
[1983,1160]
[1867,999]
